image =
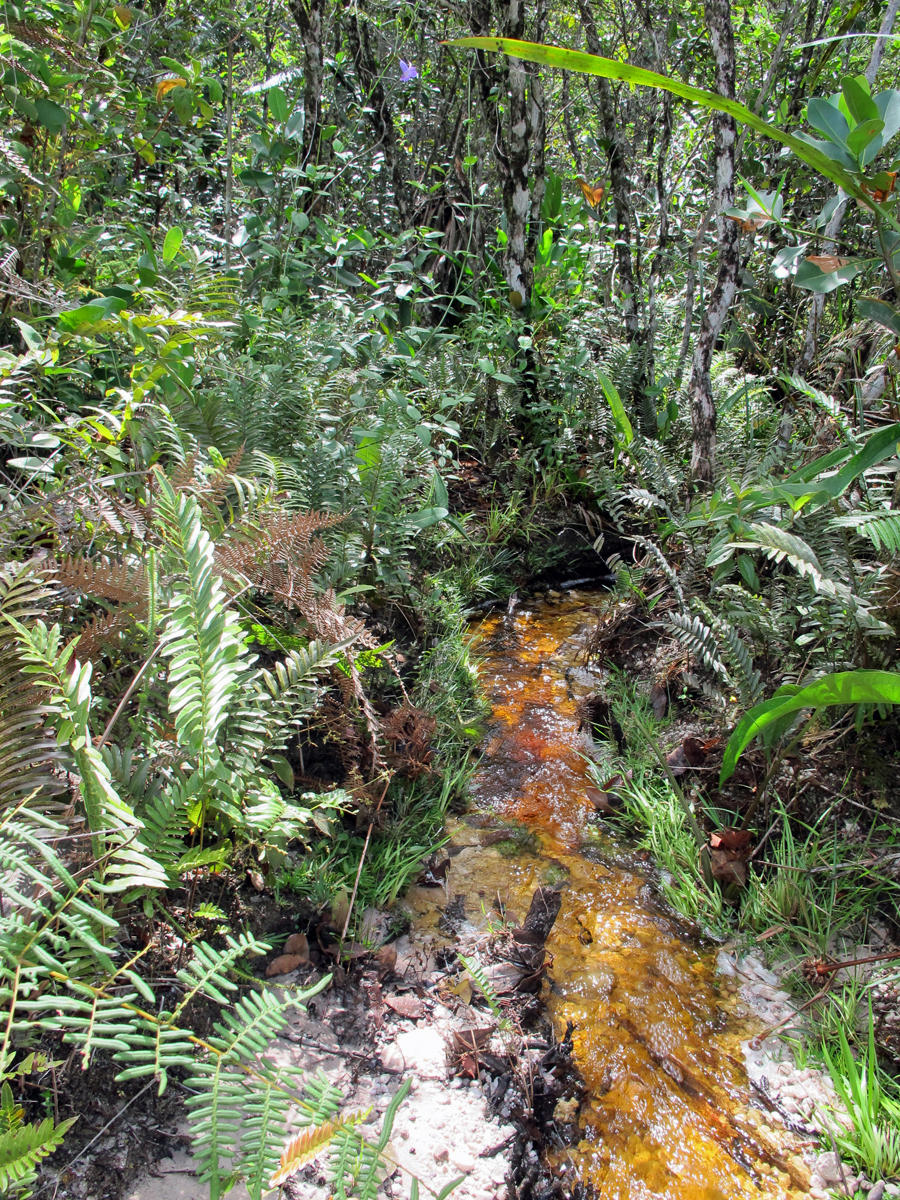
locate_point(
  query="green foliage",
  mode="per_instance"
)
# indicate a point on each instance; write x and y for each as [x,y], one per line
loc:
[841,688]
[872,1143]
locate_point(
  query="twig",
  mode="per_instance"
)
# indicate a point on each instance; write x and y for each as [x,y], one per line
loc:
[362,859]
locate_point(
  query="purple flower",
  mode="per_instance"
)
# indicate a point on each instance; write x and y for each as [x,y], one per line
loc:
[407,72]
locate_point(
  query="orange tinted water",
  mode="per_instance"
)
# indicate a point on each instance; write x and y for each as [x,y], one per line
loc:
[667,1113]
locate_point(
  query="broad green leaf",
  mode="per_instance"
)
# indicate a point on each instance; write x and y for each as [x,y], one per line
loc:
[812,278]
[827,118]
[888,105]
[278,105]
[51,115]
[865,138]
[858,98]
[608,68]
[77,320]
[30,336]
[844,687]
[427,517]
[172,244]
[617,408]
[879,310]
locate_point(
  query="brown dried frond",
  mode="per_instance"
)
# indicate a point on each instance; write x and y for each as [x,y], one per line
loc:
[408,731]
[306,1146]
[109,580]
[102,628]
[45,37]
[185,474]
[119,515]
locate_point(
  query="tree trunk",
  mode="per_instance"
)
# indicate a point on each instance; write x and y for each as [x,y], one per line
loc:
[308,16]
[703,409]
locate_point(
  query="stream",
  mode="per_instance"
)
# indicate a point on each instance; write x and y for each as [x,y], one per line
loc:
[667,1111]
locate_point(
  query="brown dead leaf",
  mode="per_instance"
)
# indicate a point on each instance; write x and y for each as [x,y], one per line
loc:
[386,957]
[472,1039]
[727,868]
[602,801]
[686,756]
[298,944]
[827,262]
[406,1006]
[659,700]
[435,872]
[284,963]
[468,1066]
[735,841]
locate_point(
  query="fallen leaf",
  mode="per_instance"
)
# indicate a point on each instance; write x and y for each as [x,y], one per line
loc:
[736,841]
[689,754]
[727,868]
[285,963]
[602,801]
[659,700]
[474,1038]
[435,874]
[406,1006]
[468,1065]
[386,957]
[297,944]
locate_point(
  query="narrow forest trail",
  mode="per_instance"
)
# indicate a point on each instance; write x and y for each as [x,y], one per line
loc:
[668,1110]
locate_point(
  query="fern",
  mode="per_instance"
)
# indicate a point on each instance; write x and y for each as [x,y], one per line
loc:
[484,985]
[882,528]
[201,637]
[111,821]
[28,752]
[23,1145]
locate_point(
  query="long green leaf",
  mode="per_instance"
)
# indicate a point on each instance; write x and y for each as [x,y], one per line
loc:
[843,687]
[614,400]
[609,68]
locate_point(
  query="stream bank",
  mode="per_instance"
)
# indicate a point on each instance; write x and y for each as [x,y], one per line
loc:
[660,1103]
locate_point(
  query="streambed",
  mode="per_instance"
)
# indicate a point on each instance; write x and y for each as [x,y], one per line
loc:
[668,1109]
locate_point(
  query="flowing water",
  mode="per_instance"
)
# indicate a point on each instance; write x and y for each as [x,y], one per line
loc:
[667,1112]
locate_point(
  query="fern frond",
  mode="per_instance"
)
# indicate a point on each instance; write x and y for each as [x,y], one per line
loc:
[700,641]
[484,985]
[29,755]
[306,1146]
[201,637]
[882,528]
[22,1148]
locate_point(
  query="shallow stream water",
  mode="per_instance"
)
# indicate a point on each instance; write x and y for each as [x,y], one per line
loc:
[668,1110]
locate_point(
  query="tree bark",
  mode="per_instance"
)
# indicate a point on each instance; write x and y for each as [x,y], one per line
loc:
[308,16]
[703,408]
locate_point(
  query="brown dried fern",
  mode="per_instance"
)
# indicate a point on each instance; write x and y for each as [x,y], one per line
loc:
[307,1145]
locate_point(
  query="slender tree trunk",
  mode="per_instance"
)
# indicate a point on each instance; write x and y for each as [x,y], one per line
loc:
[518,141]
[369,72]
[703,409]
[308,16]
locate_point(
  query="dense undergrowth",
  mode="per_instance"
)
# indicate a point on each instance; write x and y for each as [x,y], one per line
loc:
[284,397]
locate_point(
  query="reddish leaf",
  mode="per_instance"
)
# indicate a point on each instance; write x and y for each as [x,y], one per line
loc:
[735,841]
[659,700]
[602,801]
[284,963]
[472,1039]
[406,1006]
[297,944]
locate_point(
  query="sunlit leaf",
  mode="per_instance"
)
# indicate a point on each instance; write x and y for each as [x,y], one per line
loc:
[172,244]
[167,85]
